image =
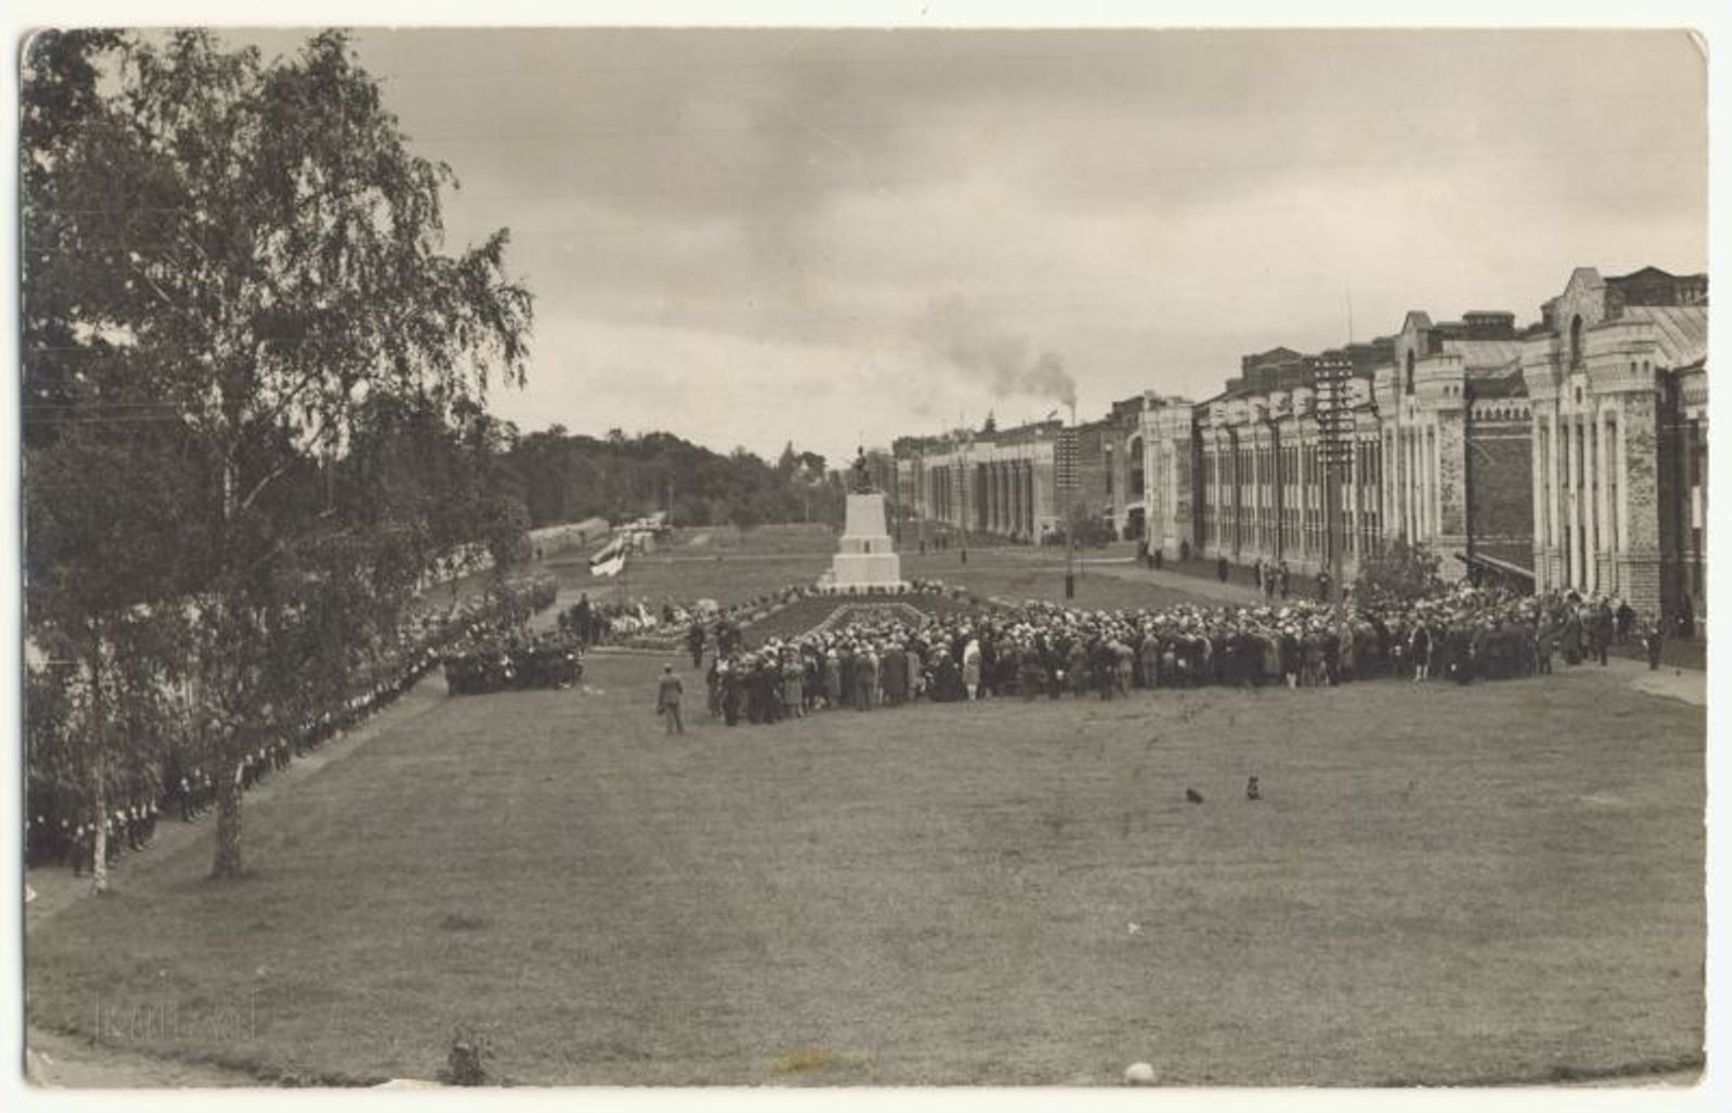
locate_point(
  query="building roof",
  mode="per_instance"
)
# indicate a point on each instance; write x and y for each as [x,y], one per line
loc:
[1477,354]
[1502,382]
[1682,331]
[1649,271]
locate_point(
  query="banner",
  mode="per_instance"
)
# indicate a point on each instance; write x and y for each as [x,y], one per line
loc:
[609,567]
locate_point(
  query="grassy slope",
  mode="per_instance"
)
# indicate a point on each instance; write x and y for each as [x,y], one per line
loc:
[1443,884]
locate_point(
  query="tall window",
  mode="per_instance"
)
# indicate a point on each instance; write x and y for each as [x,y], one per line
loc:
[1410,370]
[1576,343]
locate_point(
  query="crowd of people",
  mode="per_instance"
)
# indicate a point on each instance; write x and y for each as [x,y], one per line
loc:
[179,778]
[1041,650]
[517,661]
[873,657]
[639,621]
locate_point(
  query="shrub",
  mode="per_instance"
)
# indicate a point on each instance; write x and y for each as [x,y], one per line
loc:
[1402,571]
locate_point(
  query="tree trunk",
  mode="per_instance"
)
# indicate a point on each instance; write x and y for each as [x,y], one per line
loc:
[98,774]
[227,862]
[99,860]
[228,825]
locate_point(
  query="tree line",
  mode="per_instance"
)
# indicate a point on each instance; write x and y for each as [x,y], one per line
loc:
[566,477]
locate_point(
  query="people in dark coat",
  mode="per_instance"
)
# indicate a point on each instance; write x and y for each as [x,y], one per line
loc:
[865,680]
[1603,630]
[893,676]
[1570,637]
[732,693]
[1419,649]
[1653,642]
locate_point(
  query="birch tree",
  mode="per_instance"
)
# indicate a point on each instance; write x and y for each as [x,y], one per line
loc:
[254,248]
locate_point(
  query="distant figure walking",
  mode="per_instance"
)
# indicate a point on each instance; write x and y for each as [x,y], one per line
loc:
[1253,790]
[668,694]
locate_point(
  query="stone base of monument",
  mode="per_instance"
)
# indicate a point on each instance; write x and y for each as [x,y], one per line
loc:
[866,563]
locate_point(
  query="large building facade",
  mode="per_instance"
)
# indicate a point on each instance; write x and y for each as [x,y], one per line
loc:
[1618,380]
[1166,438]
[1003,484]
[1567,454]
[1264,490]
[1454,423]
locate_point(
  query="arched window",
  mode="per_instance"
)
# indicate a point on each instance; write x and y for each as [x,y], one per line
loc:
[1576,343]
[1410,371]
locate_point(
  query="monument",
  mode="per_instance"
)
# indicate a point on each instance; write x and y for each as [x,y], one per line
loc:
[866,562]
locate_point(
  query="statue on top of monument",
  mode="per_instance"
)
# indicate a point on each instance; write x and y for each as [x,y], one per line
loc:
[862,479]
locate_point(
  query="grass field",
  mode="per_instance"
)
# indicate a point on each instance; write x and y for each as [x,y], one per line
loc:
[728,567]
[1443,885]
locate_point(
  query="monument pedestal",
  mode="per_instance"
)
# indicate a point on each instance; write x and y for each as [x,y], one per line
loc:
[865,562]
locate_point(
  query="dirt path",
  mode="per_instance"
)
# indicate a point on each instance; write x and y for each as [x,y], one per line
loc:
[1688,685]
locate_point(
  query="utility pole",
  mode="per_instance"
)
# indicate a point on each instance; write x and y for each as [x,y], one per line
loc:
[1068,478]
[1334,446]
[967,483]
[917,470]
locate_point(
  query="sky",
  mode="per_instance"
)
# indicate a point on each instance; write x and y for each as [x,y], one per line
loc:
[827,237]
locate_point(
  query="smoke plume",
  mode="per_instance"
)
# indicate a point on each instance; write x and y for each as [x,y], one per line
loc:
[1003,360]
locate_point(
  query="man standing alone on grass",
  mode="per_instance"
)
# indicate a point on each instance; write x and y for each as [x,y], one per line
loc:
[668,700]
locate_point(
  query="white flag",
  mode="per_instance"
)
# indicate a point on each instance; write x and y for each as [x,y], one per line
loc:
[609,567]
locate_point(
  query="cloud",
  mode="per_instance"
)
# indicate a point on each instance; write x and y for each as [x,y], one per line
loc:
[742,237]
